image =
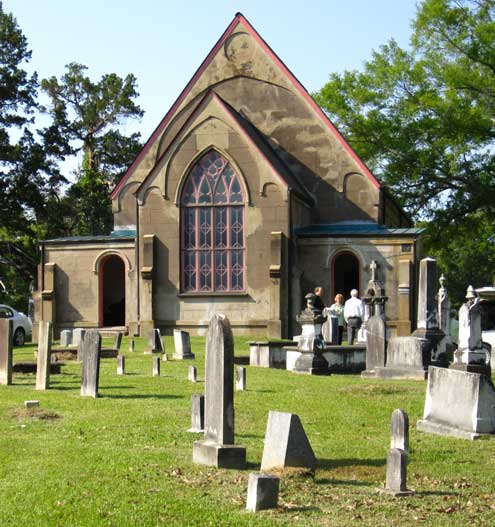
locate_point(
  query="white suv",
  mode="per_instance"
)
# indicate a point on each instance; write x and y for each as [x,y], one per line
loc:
[22,325]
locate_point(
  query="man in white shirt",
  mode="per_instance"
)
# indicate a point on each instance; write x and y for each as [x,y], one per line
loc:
[353,314]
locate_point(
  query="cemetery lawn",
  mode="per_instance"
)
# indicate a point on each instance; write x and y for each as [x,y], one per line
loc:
[125,459]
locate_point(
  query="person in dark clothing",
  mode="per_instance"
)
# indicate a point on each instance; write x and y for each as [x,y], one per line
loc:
[318,301]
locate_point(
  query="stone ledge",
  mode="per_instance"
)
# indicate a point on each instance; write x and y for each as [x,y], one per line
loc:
[401,373]
[221,456]
[432,427]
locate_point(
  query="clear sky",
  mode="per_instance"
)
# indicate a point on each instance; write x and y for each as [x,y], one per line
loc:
[162,42]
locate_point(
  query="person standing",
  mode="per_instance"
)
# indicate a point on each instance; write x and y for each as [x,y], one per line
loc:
[318,301]
[353,314]
[337,310]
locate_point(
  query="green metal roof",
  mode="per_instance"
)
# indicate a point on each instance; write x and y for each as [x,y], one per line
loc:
[355,229]
[124,235]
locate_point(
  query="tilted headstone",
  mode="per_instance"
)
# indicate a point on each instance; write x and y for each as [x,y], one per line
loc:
[197,413]
[182,342]
[120,365]
[458,404]
[65,338]
[78,336]
[117,341]
[286,443]
[240,378]
[6,355]
[44,355]
[262,492]
[218,449]
[90,352]
[192,374]
[132,345]
[376,345]
[156,366]
[399,430]
[396,482]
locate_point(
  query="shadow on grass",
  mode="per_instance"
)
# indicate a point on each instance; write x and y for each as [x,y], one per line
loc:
[251,436]
[338,463]
[436,493]
[302,509]
[137,396]
[349,482]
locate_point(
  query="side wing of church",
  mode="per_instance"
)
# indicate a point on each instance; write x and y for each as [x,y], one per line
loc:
[244,198]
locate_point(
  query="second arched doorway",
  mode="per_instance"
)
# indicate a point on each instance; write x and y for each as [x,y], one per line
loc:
[345,274]
[112,291]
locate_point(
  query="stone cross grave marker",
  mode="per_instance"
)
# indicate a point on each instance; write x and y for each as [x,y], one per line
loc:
[120,365]
[240,378]
[156,366]
[217,448]
[192,374]
[44,355]
[197,413]
[6,331]
[90,351]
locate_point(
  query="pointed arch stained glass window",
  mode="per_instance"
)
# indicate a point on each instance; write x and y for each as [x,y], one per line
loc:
[212,216]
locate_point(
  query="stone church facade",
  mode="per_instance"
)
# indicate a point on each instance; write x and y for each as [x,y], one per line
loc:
[243,199]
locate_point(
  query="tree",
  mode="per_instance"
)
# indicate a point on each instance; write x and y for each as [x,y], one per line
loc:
[87,115]
[424,121]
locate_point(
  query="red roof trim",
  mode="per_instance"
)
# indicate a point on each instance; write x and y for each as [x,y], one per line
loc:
[300,88]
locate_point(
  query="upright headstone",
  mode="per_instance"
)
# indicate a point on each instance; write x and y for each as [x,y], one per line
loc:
[65,338]
[120,365]
[330,328]
[240,378]
[155,343]
[376,345]
[117,341]
[156,366]
[197,413]
[286,443]
[6,332]
[44,355]
[78,336]
[396,482]
[399,430]
[427,304]
[131,345]
[90,351]
[182,342]
[192,374]
[262,492]
[217,448]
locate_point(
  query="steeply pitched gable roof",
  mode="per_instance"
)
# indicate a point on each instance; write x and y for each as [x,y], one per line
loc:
[240,19]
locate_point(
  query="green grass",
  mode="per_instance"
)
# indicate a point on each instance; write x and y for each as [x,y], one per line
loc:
[126,457]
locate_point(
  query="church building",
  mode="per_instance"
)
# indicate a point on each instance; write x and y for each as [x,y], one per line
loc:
[244,198]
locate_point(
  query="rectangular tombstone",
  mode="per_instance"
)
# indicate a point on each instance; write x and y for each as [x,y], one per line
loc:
[330,328]
[459,404]
[407,357]
[399,430]
[65,338]
[240,378]
[156,366]
[197,413]
[218,449]
[376,343]
[118,341]
[131,345]
[182,342]
[78,336]
[262,492]
[90,351]
[32,404]
[44,355]
[120,365]
[396,482]
[6,352]
[155,343]
[427,295]
[192,374]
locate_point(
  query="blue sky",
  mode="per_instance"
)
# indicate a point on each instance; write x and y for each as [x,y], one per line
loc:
[162,43]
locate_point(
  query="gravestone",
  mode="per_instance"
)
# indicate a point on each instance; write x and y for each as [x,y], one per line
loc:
[192,374]
[120,365]
[155,343]
[31,404]
[376,345]
[407,357]
[459,404]
[218,449]
[197,413]
[65,338]
[78,336]
[131,345]
[399,430]
[156,366]
[44,355]
[396,482]
[182,342]
[240,378]
[262,492]
[117,341]
[330,328]
[90,355]
[286,443]
[6,355]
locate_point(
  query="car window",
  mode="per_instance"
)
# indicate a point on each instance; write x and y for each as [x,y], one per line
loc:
[5,312]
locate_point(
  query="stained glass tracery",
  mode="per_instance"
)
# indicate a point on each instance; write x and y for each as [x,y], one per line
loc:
[212,214]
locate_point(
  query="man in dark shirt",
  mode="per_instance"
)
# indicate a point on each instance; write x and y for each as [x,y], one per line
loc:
[318,301]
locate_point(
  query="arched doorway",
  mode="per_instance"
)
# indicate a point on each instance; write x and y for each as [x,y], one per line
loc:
[112,291]
[345,272]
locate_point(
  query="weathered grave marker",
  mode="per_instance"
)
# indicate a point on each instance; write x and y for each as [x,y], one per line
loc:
[156,366]
[90,355]
[399,430]
[218,449]
[155,343]
[120,365]
[262,492]
[182,342]
[192,374]
[65,338]
[44,355]
[131,345]
[240,378]
[396,482]
[31,404]
[197,413]
[286,443]
[6,331]
[78,336]
[376,344]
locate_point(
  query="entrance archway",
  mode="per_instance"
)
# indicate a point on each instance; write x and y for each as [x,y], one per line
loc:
[345,273]
[112,291]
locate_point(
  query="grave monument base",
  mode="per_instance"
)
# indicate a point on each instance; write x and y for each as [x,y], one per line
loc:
[212,454]
[395,493]
[311,364]
[399,373]
[442,429]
